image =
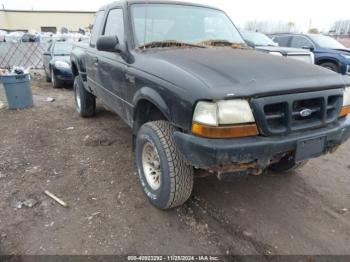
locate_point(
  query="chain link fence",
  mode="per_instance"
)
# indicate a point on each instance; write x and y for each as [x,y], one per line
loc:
[22,54]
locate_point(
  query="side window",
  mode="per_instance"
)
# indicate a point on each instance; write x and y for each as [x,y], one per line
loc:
[282,40]
[97,27]
[300,41]
[115,24]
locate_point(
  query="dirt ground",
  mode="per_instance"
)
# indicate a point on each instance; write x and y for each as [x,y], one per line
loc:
[345,42]
[89,163]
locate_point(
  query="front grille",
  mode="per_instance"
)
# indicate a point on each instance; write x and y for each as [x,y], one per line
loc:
[285,114]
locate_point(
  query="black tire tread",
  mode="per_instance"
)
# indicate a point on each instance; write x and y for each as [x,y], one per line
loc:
[54,81]
[47,77]
[181,174]
[286,167]
[329,65]
[88,100]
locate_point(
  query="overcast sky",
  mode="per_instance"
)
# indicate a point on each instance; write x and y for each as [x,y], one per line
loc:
[320,14]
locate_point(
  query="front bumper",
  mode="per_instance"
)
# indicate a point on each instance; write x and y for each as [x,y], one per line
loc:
[64,75]
[215,154]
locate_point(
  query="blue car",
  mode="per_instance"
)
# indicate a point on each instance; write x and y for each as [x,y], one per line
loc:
[57,63]
[329,53]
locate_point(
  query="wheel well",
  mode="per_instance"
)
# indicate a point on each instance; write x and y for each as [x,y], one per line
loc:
[322,61]
[75,70]
[145,112]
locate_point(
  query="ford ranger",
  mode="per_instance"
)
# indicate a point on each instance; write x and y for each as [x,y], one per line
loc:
[199,100]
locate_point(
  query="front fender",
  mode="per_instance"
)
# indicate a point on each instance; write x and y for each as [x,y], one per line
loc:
[151,95]
[77,58]
[329,57]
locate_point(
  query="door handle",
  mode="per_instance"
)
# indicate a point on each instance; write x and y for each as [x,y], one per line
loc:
[95,60]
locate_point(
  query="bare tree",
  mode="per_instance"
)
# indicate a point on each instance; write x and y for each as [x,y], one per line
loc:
[341,27]
[291,26]
[313,31]
[270,27]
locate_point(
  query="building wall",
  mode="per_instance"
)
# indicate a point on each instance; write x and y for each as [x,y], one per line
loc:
[34,20]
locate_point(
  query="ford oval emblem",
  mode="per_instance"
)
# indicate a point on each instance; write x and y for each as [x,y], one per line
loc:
[306,113]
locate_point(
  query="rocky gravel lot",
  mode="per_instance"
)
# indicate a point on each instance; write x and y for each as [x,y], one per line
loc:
[89,164]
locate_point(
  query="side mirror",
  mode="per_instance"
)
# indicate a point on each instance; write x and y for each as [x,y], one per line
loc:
[250,43]
[108,44]
[311,48]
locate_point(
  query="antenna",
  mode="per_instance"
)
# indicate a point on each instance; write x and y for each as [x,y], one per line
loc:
[145,32]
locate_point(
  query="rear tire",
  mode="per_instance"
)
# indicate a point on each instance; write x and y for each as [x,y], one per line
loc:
[85,102]
[47,77]
[331,66]
[287,164]
[166,178]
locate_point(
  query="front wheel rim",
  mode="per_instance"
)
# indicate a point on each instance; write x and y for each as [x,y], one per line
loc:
[151,166]
[53,78]
[77,99]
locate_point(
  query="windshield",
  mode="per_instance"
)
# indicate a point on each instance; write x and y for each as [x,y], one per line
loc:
[258,39]
[62,48]
[181,23]
[327,42]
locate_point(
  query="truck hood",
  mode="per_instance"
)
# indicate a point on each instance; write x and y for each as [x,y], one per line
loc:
[283,50]
[345,50]
[65,58]
[214,73]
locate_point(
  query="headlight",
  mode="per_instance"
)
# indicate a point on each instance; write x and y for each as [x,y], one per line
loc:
[346,102]
[346,97]
[224,119]
[275,53]
[235,112]
[61,64]
[346,56]
[206,113]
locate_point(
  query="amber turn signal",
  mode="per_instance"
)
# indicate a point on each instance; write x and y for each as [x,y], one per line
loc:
[345,111]
[225,131]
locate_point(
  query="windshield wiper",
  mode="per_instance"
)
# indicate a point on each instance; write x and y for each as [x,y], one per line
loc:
[168,43]
[223,43]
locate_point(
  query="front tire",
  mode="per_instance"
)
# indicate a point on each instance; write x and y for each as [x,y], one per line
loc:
[287,164]
[166,178]
[331,66]
[85,102]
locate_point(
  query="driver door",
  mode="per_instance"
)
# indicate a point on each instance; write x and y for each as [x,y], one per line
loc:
[112,67]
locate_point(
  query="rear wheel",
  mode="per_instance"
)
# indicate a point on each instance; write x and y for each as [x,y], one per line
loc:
[331,66]
[166,178]
[47,77]
[85,102]
[54,81]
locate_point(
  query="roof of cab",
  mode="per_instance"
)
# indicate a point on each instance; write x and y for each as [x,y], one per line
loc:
[129,2]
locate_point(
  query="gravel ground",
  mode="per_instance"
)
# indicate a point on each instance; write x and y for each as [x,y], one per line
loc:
[345,42]
[89,163]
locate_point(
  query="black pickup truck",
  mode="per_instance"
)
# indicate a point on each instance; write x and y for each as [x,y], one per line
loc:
[199,100]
